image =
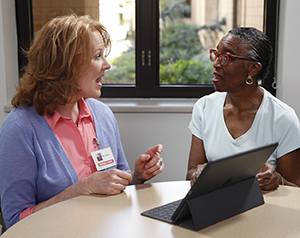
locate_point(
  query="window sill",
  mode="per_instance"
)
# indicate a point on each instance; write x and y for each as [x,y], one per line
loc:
[8,108]
[150,105]
[144,105]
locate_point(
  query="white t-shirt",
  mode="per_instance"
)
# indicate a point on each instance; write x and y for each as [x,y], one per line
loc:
[274,122]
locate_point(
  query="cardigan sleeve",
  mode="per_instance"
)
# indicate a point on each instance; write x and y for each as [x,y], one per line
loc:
[18,172]
[33,165]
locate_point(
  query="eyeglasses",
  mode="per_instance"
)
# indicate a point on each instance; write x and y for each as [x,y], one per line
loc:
[223,57]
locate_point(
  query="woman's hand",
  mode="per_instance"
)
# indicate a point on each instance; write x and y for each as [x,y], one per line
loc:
[148,165]
[107,182]
[197,172]
[267,177]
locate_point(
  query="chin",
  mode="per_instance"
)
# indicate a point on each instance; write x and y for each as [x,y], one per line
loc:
[219,89]
[216,88]
[93,95]
[97,94]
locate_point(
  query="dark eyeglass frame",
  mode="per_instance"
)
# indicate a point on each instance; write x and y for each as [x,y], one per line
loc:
[213,51]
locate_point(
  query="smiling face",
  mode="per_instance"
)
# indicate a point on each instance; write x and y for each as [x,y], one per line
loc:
[231,77]
[90,80]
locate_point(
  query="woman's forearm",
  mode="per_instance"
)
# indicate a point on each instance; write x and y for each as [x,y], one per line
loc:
[283,181]
[74,190]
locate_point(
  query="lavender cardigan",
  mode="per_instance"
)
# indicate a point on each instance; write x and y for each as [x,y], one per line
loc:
[33,164]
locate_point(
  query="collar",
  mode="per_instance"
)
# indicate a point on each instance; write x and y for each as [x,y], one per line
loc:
[84,112]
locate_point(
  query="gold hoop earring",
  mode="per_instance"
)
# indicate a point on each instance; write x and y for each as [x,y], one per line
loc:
[249,80]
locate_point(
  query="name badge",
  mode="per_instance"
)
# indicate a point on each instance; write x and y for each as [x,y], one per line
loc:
[103,158]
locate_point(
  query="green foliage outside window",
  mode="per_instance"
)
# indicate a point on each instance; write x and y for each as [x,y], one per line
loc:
[123,69]
[183,59]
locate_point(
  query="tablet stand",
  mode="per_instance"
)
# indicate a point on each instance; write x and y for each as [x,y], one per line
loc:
[223,203]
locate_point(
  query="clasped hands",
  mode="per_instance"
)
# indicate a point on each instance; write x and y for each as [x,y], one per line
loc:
[268,178]
[114,181]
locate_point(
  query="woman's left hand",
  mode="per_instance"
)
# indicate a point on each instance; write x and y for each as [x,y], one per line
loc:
[148,165]
[197,172]
[268,178]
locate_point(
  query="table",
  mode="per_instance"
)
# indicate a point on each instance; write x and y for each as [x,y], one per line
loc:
[119,216]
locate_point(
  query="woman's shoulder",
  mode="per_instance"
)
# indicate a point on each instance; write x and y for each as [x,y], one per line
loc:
[281,112]
[22,115]
[212,99]
[99,108]
[93,102]
[276,103]
[23,119]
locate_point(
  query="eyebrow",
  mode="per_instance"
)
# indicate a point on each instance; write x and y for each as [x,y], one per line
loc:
[226,50]
[101,51]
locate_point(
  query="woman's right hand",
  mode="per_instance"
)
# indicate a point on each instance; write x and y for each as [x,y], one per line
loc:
[197,172]
[108,182]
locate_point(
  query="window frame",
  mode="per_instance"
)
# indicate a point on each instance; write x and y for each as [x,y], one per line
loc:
[147,48]
[24,25]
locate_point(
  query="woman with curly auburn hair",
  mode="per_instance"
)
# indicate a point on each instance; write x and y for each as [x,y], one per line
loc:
[58,128]
[55,60]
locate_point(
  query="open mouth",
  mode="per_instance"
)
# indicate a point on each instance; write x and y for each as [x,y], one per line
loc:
[217,77]
[98,81]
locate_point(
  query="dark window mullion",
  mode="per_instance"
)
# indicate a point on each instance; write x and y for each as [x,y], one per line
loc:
[271,22]
[155,46]
[24,30]
[144,42]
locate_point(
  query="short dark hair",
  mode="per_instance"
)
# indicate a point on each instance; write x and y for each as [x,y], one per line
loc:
[260,47]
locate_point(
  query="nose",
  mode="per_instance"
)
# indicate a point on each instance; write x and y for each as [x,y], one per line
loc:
[107,65]
[217,62]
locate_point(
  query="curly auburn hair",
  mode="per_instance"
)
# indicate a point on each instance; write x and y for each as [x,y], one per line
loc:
[58,55]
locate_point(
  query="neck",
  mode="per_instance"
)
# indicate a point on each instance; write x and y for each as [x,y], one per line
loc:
[245,100]
[70,110]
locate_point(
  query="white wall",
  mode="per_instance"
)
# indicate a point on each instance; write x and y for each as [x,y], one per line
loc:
[139,131]
[288,74]
[8,55]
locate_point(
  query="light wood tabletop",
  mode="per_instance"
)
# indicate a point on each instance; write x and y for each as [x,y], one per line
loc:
[120,216]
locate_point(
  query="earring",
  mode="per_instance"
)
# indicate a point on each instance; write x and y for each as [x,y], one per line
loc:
[249,80]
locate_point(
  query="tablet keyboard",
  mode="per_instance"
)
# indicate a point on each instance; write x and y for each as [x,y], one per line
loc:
[164,212]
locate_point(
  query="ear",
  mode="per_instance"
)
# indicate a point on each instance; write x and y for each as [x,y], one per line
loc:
[254,68]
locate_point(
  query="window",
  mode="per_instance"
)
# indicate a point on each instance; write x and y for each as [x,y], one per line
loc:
[160,47]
